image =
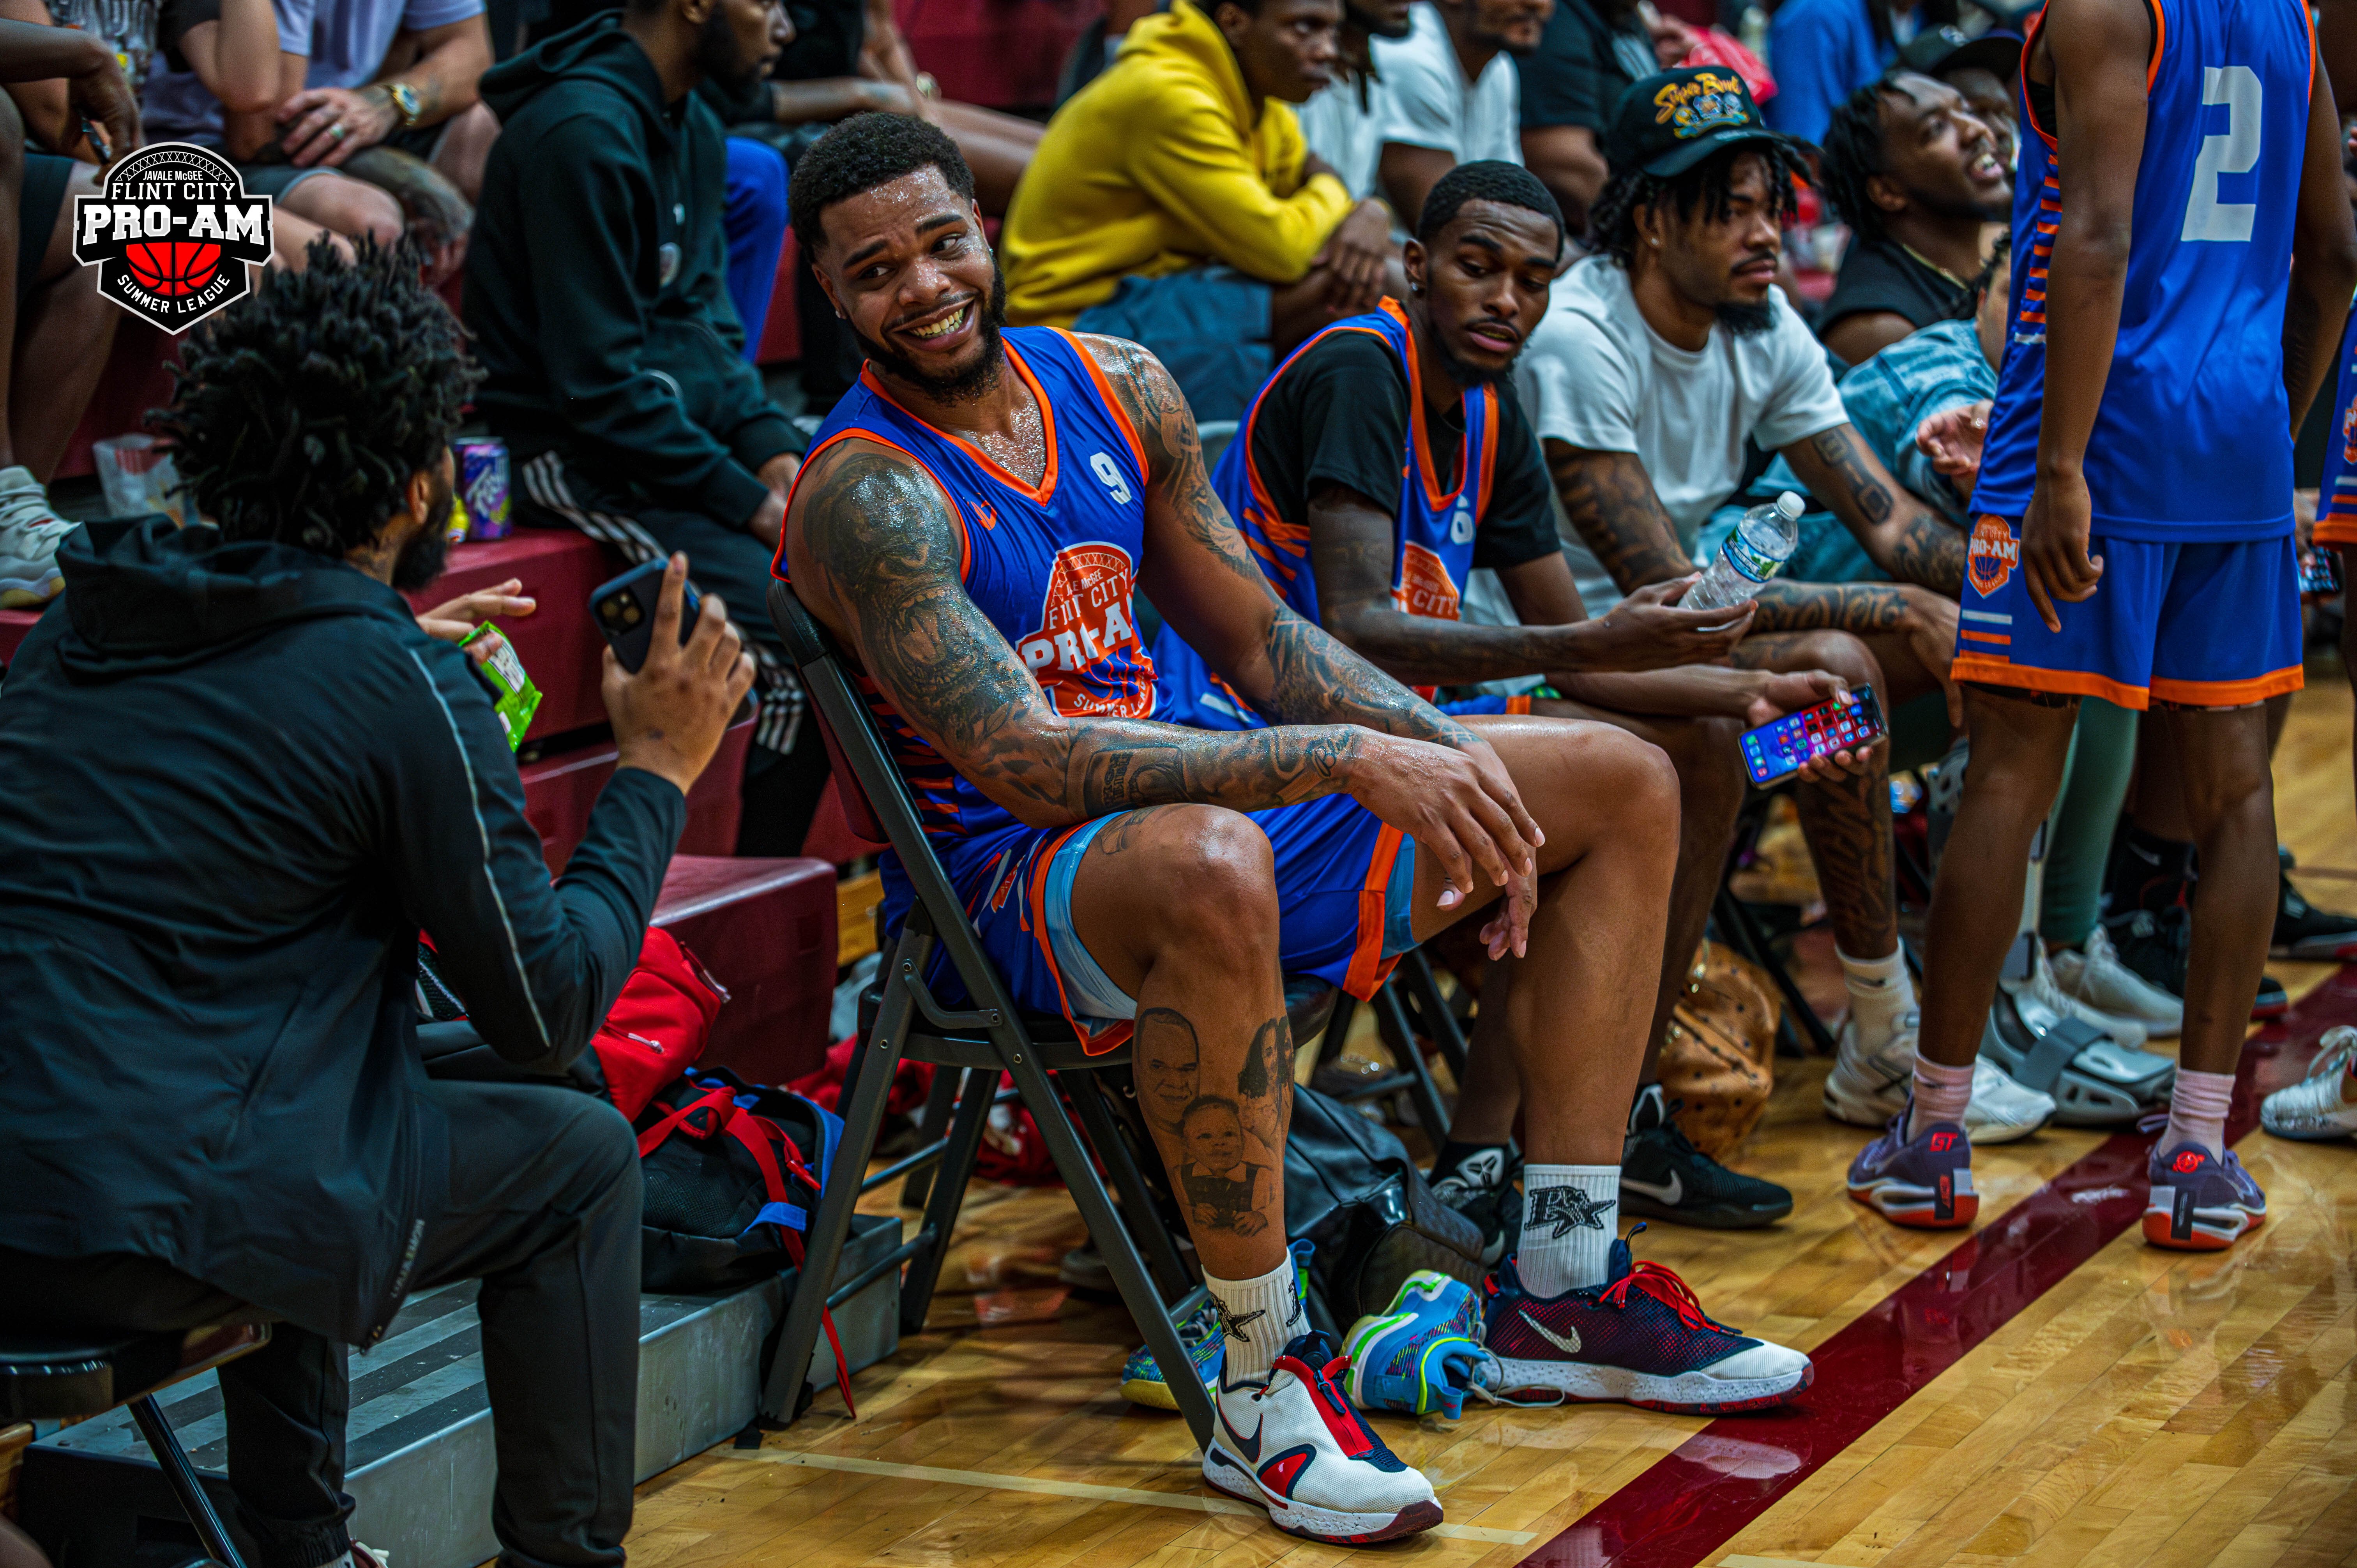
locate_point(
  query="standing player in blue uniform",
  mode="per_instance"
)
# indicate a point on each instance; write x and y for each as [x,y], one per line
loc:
[972,523]
[2133,533]
[1386,459]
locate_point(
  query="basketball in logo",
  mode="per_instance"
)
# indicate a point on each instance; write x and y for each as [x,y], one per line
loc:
[1086,654]
[1992,555]
[1425,587]
[170,268]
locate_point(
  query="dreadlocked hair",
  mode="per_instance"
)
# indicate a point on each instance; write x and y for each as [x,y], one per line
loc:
[1613,220]
[301,411]
[1851,156]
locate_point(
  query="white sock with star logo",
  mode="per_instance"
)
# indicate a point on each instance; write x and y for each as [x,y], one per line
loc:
[1258,1318]
[1570,1218]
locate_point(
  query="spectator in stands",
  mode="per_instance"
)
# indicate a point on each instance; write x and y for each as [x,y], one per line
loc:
[1172,202]
[1453,97]
[611,352]
[1658,360]
[216,1112]
[1823,50]
[1983,69]
[1316,492]
[353,75]
[56,330]
[1590,52]
[1343,122]
[1916,175]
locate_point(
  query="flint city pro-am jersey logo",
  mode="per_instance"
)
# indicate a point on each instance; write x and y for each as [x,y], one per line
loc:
[1424,587]
[1700,103]
[172,234]
[1085,624]
[1992,555]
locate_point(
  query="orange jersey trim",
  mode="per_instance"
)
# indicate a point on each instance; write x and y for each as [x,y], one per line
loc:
[1036,897]
[1417,430]
[2230,694]
[966,540]
[1039,494]
[1997,637]
[1369,968]
[2335,529]
[1999,671]
[1113,405]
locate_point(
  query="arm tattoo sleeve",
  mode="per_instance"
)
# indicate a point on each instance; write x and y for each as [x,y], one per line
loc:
[1863,607]
[1923,548]
[1610,499]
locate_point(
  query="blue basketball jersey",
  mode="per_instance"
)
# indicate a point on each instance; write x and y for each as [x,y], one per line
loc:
[1053,565]
[2194,439]
[1432,543]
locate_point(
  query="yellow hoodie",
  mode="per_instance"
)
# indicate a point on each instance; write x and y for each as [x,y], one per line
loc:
[1157,166]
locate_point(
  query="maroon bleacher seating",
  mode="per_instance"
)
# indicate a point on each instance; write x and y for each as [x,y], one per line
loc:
[764,928]
[559,789]
[781,334]
[1001,54]
[138,377]
[560,649]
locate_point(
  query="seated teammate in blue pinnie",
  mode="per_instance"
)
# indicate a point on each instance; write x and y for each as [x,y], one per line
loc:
[1379,467]
[2183,258]
[972,523]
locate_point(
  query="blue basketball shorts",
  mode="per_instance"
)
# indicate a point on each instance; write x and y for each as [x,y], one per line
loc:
[2195,625]
[1344,885]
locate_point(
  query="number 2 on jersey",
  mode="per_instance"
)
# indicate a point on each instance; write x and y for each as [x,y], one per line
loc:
[2235,151]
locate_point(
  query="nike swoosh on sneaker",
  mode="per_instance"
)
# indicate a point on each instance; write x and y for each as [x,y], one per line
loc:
[1668,1192]
[1250,1446]
[1570,1346]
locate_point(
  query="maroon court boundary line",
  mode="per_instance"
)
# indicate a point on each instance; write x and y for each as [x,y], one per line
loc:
[1696,1498]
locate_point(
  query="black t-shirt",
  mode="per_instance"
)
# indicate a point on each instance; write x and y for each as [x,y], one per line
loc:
[1340,415]
[1590,53]
[1883,275]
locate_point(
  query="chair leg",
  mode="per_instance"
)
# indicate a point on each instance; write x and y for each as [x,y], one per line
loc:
[181,1476]
[1087,1092]
[1415,972]
[1390,1019]
[863,1114]
[1338,1028]
[1112,1240]
[938,1104]
[964,1147]
[1736,921]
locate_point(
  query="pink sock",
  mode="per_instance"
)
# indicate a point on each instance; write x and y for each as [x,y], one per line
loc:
[1941,1095]
[2197,1111]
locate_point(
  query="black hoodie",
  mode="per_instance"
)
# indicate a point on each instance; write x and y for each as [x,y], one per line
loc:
[240,782]
[596,280]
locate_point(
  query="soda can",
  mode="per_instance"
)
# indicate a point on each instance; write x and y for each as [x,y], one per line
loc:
[483,481]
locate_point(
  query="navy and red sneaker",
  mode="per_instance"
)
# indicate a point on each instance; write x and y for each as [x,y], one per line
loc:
[1641,1337]
[1925,1181]
[1295,1445]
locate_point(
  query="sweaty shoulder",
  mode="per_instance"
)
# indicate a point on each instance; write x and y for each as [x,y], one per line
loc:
[859,503]
[1148,397]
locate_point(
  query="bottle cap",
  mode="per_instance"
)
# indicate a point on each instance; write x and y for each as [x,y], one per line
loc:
[1791,506]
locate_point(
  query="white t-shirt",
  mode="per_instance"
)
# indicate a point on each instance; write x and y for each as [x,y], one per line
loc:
[1343,125]
[1595,376]
[1430,103]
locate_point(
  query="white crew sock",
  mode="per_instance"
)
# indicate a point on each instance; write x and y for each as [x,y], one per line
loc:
[1881,994]
[1570,1219]
[1941,1095]
[1258,1318]
[2197,1111]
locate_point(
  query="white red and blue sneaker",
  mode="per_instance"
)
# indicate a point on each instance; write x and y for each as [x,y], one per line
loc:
[1295,1445]
[1641,1337]
[1142,1381]
[1418,1355]
[2324,1104]
[2201,1203]
[1925,1182]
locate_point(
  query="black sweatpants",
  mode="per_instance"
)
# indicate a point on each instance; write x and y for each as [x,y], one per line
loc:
[543,1209]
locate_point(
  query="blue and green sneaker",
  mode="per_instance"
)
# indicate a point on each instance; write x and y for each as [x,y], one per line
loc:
[1419,1355]
[1141,1379]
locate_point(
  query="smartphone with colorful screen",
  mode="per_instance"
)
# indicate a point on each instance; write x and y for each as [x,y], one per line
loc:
[1777,750]
[2317,574]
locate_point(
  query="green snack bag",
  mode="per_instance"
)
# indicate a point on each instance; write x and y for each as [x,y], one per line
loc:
[517,698]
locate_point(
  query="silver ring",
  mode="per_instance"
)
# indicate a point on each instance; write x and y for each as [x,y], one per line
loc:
[336,131]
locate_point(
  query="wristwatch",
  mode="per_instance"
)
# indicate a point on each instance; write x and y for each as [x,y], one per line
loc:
[404,98]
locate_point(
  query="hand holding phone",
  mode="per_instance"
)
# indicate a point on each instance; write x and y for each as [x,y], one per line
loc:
[1780,748]
[625,612]
[672,705]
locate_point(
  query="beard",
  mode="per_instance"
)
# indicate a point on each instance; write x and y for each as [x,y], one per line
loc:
[421,559]
[961,386]
[1747,320]
[1471,376]
[718,58]
[1376,27]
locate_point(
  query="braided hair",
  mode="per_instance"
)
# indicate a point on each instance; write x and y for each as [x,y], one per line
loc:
[301,411]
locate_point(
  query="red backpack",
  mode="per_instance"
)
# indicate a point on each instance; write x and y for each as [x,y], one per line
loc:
[659,1024]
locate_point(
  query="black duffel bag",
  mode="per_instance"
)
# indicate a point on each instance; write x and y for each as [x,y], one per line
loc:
[1352,1186]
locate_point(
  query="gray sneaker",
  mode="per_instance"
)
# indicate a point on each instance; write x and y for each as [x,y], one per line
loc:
[30,533]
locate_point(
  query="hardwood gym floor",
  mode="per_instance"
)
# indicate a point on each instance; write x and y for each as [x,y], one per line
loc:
[2049,1392]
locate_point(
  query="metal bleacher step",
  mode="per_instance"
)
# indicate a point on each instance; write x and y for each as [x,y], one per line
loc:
[418,1460]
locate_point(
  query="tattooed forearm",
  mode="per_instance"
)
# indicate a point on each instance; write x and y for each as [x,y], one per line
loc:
[1314,677]
[1610,503]
[1906,538]
[1862,608]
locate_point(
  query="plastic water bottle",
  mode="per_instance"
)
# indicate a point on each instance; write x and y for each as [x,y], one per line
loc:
[1754,553]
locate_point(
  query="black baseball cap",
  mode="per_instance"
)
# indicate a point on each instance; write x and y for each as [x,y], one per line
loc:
[1935,49]
[1665,125]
